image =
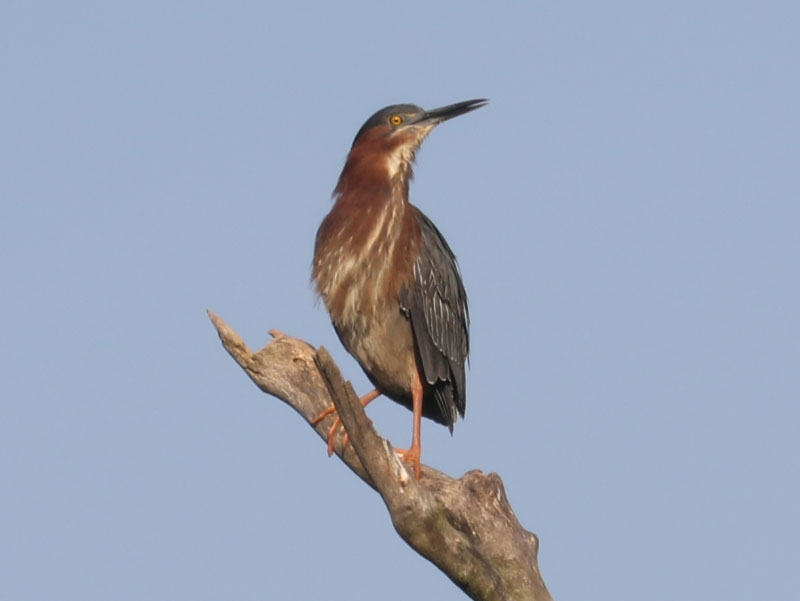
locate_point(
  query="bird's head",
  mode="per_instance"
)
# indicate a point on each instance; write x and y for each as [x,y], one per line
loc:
[395,132]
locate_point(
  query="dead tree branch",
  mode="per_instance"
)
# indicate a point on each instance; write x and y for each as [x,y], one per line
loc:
[466,527]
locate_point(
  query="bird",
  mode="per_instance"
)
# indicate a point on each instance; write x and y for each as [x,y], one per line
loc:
[388,277]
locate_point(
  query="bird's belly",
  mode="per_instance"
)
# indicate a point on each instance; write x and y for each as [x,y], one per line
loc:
[383,344]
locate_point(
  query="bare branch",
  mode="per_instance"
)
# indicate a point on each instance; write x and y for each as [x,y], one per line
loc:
[466,527]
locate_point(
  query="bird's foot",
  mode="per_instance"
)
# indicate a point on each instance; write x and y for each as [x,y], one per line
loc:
[330,410]
[332,431]
[337,423]
[411,456]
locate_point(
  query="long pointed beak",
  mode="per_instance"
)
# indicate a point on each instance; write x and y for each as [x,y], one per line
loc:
[436,116]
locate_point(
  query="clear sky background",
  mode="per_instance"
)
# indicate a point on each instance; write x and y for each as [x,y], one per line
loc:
[626,215]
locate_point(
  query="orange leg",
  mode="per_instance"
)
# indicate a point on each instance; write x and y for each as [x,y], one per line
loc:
[337,423]
[413,454]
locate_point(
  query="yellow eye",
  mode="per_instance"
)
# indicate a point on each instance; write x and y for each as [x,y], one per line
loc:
[395,120]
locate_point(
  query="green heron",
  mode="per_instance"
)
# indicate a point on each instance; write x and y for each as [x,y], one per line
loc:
[389,279]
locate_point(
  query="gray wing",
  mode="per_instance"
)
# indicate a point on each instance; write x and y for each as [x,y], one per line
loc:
[439,314]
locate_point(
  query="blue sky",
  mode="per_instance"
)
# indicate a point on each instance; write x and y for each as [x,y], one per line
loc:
[625,212]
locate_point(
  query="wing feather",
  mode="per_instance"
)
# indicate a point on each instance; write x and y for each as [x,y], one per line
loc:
[437,306]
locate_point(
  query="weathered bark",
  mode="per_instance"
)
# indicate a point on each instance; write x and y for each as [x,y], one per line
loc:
[466,527]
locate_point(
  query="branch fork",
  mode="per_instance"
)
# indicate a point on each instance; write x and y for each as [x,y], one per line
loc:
[466,526]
